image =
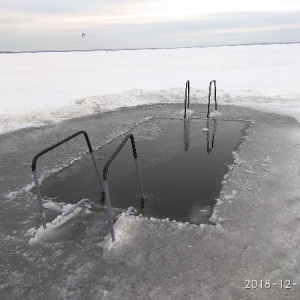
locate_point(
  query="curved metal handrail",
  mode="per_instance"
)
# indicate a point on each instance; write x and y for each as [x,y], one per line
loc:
[110,160]
[37,156]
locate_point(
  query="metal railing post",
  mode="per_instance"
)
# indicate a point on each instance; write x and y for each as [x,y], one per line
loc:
[209,95]
[97,173]
[187,97]
[35,177]
[137,166]
[107,200]
[215,95]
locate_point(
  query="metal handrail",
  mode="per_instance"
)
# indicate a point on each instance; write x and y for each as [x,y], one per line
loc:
[110,160]
[33,167]
[209,95]
[187,97]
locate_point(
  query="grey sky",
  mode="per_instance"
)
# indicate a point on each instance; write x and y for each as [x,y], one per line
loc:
[27,25]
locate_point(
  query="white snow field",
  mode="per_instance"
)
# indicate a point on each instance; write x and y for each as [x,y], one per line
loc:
[42,88]
[252,248]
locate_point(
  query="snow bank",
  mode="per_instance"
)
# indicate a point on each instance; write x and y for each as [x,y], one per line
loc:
[124,230]
[127,227]
[44,88]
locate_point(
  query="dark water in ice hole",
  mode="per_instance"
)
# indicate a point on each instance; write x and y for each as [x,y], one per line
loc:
[181,171]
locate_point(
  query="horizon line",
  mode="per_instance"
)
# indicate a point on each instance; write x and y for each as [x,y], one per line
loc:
[147,48]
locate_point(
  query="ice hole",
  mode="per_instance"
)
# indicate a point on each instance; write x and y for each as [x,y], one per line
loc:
[181,171]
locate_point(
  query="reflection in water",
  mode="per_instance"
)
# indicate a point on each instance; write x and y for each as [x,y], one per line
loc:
[142,206]
[186,134]
[209,149]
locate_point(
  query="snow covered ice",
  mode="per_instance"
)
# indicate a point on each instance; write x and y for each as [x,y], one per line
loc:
[255,231]
[44,88]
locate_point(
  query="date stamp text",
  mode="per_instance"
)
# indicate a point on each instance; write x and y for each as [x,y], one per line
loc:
[268,284]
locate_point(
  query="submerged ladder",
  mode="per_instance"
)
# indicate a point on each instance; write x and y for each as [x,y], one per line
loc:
[35,176]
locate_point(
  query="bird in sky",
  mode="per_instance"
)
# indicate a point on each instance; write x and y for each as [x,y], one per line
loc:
[83,35]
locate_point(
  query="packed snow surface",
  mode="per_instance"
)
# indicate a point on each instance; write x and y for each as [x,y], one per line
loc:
[251,248]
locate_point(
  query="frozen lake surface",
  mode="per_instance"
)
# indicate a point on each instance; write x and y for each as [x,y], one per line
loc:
[253,235]
[256,219]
